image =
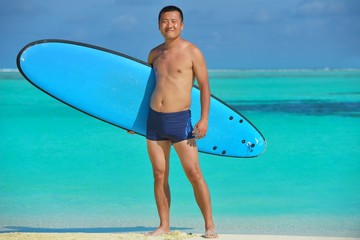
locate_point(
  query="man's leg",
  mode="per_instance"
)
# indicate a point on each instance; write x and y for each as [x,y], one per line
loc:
[159,154]
[188,154]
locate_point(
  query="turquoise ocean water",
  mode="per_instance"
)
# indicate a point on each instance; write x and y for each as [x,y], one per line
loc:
[62,171]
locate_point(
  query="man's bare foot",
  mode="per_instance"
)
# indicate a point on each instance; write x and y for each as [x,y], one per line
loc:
[157,232]
[211,233]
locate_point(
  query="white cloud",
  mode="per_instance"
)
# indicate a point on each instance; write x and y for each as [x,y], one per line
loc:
[262,16]
[321,7]
[125,22]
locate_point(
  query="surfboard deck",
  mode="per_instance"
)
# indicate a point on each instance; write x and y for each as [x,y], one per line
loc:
[116,88]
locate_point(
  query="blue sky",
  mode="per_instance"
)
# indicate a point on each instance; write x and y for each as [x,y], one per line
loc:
[244,34]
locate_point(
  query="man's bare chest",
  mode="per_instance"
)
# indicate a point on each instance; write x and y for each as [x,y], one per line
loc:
[172,64]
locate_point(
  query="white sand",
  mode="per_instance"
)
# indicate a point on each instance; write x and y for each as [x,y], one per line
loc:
[135,236]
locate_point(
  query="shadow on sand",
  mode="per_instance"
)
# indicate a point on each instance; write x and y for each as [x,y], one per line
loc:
[137,229]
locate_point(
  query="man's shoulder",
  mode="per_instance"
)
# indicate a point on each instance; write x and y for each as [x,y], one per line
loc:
[192,49]
[189,46]
[156,51]
[157,48]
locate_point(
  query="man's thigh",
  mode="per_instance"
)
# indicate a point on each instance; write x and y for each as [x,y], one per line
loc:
[188,154]
[159,154]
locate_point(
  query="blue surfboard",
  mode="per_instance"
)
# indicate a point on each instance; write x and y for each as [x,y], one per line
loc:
[116,88]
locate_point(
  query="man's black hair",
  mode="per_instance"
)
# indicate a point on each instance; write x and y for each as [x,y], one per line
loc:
[171,9]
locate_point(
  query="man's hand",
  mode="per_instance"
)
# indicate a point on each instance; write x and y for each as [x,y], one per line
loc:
[200,129]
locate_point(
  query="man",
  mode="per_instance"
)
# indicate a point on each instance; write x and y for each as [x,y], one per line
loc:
[176,64]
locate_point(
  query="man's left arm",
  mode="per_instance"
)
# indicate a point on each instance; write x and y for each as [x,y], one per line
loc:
[201,75]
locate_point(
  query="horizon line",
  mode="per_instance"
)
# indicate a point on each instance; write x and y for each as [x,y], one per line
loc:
[248,69]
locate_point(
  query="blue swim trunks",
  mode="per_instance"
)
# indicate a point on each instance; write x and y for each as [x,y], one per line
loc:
[175,127]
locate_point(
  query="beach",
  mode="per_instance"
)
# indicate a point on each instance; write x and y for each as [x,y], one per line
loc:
[135,236]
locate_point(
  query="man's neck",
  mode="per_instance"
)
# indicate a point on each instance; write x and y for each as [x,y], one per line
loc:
[171,43]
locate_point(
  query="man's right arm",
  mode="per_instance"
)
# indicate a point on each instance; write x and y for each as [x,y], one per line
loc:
[150,60]
[151,56]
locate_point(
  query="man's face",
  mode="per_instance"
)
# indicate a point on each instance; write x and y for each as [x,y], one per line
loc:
[170,24]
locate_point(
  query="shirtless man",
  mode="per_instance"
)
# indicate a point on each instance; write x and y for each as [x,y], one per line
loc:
[177,63]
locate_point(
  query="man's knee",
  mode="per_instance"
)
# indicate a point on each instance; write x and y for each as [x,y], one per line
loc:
[159,175]
[194,175]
